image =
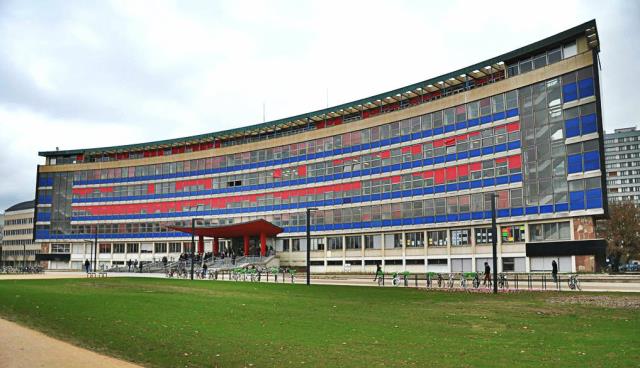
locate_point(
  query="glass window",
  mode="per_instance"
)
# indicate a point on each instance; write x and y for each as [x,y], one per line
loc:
[460,237]
[414,240]
[512,234]
[353,242]
[437,238]
[484,235]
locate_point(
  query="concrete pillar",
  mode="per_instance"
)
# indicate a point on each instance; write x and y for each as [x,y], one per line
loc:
[246,245]
[263,244]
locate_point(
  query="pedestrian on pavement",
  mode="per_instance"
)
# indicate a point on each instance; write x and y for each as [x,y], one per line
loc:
[87,265]
[554,271]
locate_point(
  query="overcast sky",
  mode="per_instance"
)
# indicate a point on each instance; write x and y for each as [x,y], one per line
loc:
[80,74]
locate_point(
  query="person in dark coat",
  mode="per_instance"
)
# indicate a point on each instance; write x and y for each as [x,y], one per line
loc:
[140,266]
[487,274]
[164,261]
[378,272]
[87,265]
[554,270]
[129,262]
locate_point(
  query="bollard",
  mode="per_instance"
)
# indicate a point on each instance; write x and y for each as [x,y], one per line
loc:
[292,278]
[382,279]
[529,281]
[416,280]
[516,280]
[275,275]
[544,282]
[559,284]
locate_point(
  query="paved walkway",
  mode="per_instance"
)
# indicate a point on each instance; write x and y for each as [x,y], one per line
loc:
[21,347]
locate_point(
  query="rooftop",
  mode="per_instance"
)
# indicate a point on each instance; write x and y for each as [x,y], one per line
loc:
[21,206]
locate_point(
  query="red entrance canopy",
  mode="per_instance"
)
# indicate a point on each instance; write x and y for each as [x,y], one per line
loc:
[250,228]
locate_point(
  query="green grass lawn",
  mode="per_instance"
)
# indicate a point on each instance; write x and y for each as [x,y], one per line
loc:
[178,323]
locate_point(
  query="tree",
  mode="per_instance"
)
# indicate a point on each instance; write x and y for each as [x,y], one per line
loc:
[622,232]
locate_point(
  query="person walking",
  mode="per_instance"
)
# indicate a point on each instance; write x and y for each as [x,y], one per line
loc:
[140,266]
[87,265]
[204,270]
[129,262]
[487,274]
[554,271]
[164,261]
[378,272]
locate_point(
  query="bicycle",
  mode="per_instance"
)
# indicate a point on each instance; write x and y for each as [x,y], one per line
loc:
[450,281]
[476,280]
[574,283]
[396,279]
[503,282]
[440,280]
[463,281]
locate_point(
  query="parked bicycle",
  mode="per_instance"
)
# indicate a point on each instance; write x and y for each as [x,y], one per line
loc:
[395,281]
[476,280]
[450,281]
[574,283]
[503,282]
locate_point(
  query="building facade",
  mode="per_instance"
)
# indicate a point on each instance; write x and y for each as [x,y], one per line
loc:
[622,159]
[18,247]
[403,178]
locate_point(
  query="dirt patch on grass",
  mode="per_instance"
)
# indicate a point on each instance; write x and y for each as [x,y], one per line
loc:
[623,302]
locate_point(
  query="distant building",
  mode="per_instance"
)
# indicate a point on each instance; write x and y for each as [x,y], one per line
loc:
[1,234]
[18,247]
[622,158]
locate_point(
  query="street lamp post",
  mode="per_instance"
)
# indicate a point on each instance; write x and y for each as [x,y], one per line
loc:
[494,242]
[309,209]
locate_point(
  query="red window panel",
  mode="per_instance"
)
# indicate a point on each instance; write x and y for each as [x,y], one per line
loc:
[462,137]
[501,127]
[463,170]
[396,179]
[277,173]
[439,176]
[449,141]
[217,143]
[106,189]
[501,160]
[438,143]
[337,162]
[385,154]
[427,174]
[81,191]
[514,162]
[406,149]
[320,124]
[513,127]
[80,158]
[416,149]
[451,173]
[476,166]
[473,134]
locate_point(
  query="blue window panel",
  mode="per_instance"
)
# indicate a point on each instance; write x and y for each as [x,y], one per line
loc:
[501,147]
[427,161]
[531,210]
[475,184]
[548,208]
[461,125]
[485,119]
[498,116]
[406,193]
[429,219]
[396,194]
[386,195]
[416,163]
[338,176]
[451,218]
[366,146]
[415,136]
[574,163]
[428,190]
[376,223]
[405,138]
[591,161]
[473,122]
[569,92]
[513,145]
[561,207]
[376,144]
[517,212]
[464,217]
[503,213]
[511,113]
[450,157]
[452,187]
[386,223]
[502,180]
[487,150]
[572,127]
[439,189]
[585,87]
[427,133]
[407,221]
[395,167]
[576,200]
[417,192]
[488,182]
[376,197]
[438,160]
[441,218]
[487,214]
[437,131]
[449,128]
[589,124]
[420,221]
[395,140]
[594,198]
[376,170]
[474,153]
[406,165]
[463,155]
